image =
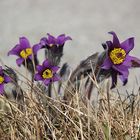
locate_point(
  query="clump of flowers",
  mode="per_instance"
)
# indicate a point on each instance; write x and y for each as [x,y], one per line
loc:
[114,61]
[118,60]
[4,79]
[47,73]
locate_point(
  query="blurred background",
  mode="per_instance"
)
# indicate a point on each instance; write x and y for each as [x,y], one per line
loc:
[86,21]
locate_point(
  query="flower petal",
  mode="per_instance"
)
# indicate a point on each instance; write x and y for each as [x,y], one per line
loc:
[116,42]
[1,89]
[7,79]
[55,68]
[46,63]
[122,69]
[123,79]
[107,64]
[128,45]
[47,81]
[109,44]
[43,41]
[38,77]
[123,73]
[128,61]
[36,48]
[15,51]
[68,38]
[24,43]
[40,68]
[135,62]
[61,39]
[19,61]
[131,61]
[56,78]
[51,39]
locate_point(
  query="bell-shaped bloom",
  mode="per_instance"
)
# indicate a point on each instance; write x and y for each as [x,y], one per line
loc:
[118,60]
[23,50]
[52,41]
[53,47]
[47,73]
[4,79]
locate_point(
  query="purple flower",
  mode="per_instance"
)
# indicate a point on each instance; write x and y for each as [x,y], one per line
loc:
[23,50]
[51,41]
[4,79]
[118,60]
[47,73]
[53,47]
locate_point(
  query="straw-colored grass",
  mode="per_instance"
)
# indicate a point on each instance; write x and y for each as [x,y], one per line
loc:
[108,117]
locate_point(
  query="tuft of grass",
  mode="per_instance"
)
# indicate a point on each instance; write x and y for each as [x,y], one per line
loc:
[107,117]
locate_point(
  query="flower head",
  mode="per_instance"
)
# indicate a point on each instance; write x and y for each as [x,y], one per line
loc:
[47,73]
[4,79]
[51,41]
[23,50]
[53,47]
[118,60]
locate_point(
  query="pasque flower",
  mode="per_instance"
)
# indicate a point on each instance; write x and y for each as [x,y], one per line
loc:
[23,50]
[4,79]
[118,60]
[53,47]
[47,73]
[51,41]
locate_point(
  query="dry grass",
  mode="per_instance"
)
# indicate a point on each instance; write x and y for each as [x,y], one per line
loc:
[109,117]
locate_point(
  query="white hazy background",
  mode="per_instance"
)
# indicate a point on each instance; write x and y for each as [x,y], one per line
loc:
[86,21]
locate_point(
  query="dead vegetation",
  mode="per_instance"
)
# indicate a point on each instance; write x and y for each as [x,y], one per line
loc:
[42,118]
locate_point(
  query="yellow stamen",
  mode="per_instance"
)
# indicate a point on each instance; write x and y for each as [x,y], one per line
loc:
[29,51]
[117,55]
[25,53]
[47,74]
[1,79]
